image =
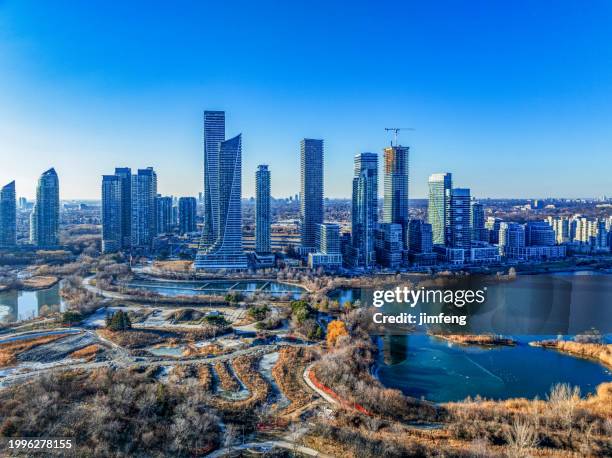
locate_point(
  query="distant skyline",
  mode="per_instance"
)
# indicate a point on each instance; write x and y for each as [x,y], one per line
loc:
[515,99]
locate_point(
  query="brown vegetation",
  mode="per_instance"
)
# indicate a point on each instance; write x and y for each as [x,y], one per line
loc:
[133,338]
[40,282]
[227,381]
[287,373]
[596,351]
[112,414]
[88,353]
[487,340]
[211,349]
[205,377]
[10,350]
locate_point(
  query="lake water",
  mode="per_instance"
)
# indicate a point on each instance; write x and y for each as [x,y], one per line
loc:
[424,366]
[533,307]
[218,287]
[25,305]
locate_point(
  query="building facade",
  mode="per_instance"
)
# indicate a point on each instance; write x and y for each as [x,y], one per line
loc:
[8,216]
[164,220]
[364,214]
[125,176]
[214,135]
[263,212]
[187,212]
[438,207]
[227,250]
[45,217]
[143,214]
[460,229]
[396,182]
[112,213]
[389,245]
[311,191]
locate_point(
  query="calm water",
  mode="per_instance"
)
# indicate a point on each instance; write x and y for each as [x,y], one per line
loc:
[527,309]
[423,366]
[24,305]
[218,287]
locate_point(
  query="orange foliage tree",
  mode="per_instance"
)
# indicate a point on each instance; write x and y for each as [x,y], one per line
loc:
[335,329]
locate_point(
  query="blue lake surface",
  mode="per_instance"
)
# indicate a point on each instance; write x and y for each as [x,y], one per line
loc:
[530,308]
[424,366]
[24,305]
[218,287]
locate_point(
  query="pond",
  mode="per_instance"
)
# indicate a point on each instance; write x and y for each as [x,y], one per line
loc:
[218,287]
[24,305]
[423,366]
[530,308]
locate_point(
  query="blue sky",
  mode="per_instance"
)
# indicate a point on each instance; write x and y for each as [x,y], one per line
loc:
[514,98]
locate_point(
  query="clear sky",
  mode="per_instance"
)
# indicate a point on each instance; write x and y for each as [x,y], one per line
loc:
[513,97]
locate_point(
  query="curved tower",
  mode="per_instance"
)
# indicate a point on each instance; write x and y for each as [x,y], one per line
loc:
[44,220]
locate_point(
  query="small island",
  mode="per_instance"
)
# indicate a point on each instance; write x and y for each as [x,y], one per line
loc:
[485,340]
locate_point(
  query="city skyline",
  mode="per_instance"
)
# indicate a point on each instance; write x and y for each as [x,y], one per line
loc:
[479,83]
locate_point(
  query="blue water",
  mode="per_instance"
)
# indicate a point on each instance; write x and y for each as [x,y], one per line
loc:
[24,305]
[441,371]
[218,287]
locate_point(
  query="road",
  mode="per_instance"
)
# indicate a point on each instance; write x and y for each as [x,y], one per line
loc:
[266,446]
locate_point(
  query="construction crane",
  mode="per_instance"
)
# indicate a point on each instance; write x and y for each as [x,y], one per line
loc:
[395,131]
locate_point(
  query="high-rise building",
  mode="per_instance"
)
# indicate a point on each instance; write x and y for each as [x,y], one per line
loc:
[327,254]
[144,191]
[44,220]
[187,210]
[511,239]
[214,135]
[492,225]
[396,182]
[539,233]
[23,203]
[364,215]
[420,236]
[460,230]
[477,221]
[112,213]
[561,226]
[389,245]
[311,190]
[328,238]
[8,216]
[163,214]
[438,208]
[125,176]
[263,215]
[227,250]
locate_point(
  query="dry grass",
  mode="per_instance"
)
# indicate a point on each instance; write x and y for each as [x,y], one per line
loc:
[88,353]
[211,349]
[40,282]
[205,377]
[132,338]
[10,350]
[287,373]
[599,352]
[173,266]
[227,381]
[245,367]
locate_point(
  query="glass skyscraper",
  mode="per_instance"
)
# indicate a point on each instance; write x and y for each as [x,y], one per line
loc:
[311,190]
[214,135]
[396,182]
[163,215]
[8,216]
[364,215]
[438,208]
[227,250]
[263,215]
[125,176]
[112,216]
[187,210]
[44,220]
[144,192]
[460,228]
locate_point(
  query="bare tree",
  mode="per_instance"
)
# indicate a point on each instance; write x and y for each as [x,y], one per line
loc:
[521,437]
